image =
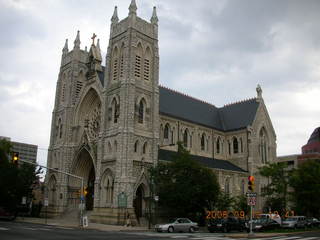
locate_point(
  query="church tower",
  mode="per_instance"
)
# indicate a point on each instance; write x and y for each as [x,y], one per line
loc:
[129,145]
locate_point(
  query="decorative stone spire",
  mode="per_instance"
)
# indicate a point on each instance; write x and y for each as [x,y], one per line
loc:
[154,19]
[133,8]
[259,91]
[65,49]
[77,41]
[115,18]
[98,49]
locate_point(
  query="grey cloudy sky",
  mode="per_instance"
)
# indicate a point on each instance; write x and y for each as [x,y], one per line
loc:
[217,51]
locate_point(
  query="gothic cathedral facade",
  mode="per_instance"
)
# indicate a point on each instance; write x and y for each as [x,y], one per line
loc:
[111,123]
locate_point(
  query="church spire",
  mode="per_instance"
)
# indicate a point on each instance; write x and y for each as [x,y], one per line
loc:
[77,41]
[65,49]
[98,49]
[133,8]
[115,18]
[154,18]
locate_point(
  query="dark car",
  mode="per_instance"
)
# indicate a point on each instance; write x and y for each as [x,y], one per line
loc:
[226,224]
[313,222]
[7,215]
[262,224]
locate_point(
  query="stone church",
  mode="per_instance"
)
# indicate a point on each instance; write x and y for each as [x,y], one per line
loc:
[111,123]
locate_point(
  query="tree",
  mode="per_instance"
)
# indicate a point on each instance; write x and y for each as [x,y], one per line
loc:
[276,189]
[184,186]
[15,181]
[305,182]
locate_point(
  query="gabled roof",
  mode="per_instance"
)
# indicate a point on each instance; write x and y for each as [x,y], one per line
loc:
[228,118]
[166,155]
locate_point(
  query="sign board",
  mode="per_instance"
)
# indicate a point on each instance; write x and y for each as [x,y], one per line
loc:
[251,194]
[251,201]
[122,200]
[156,198]
[46,202]
[85,221]
[24,201]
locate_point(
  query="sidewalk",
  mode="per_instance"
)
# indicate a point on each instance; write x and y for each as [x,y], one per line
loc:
[96,226]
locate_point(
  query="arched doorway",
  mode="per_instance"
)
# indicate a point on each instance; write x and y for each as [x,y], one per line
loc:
[83,167]
[139,202]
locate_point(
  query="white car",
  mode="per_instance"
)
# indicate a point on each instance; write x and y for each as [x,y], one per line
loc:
[178,225]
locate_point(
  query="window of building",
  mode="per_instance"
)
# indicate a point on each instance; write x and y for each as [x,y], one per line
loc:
[235,145]
[202,142]
[141,111]
[166,132]
[136,146]
[185,138]
[218,145]
[227,186]
[144,149]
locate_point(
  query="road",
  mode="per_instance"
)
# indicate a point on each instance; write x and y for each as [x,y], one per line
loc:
[26,231]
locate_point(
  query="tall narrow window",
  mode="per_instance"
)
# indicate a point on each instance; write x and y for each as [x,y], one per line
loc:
[229,147]
[166,132]
[241,145]
[146,65]
[136,145]
[185,138]
[235,145]
[141,111]
[115,65]
[115,110]
[263,145]
[218,145]
[144,149]
[227,186]
[202,142]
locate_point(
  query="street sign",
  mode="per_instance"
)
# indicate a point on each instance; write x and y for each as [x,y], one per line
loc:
[24,201]
[122,200]
[46,202]
[252,201]
[251,194]
[156,198]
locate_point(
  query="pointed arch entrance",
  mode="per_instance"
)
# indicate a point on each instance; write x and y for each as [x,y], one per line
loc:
[139,202]
[83,166]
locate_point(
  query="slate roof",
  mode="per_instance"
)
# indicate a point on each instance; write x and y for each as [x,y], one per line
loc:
[228,118]
[208,162]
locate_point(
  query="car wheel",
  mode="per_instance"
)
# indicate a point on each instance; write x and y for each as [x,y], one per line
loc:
[191,230]
[170,229]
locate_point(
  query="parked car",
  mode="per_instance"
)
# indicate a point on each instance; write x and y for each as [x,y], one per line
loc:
[313,222]
[263,224]
[226,224]
[7,215]
[178,225]
[294,222]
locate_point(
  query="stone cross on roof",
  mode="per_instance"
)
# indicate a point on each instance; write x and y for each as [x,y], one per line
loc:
[93,37]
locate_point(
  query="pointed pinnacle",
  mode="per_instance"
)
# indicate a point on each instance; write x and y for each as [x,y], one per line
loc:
[115,18]
[77,40]
[154,19]
[65,48]
[133,7]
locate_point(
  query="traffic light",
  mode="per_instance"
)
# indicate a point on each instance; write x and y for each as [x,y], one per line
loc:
[251,183]
[85,191]
[15,158]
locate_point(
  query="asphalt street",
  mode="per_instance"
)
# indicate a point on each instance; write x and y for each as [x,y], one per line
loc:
[25,231]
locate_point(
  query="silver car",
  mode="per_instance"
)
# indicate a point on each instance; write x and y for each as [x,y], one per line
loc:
[178,225]
[294,222]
